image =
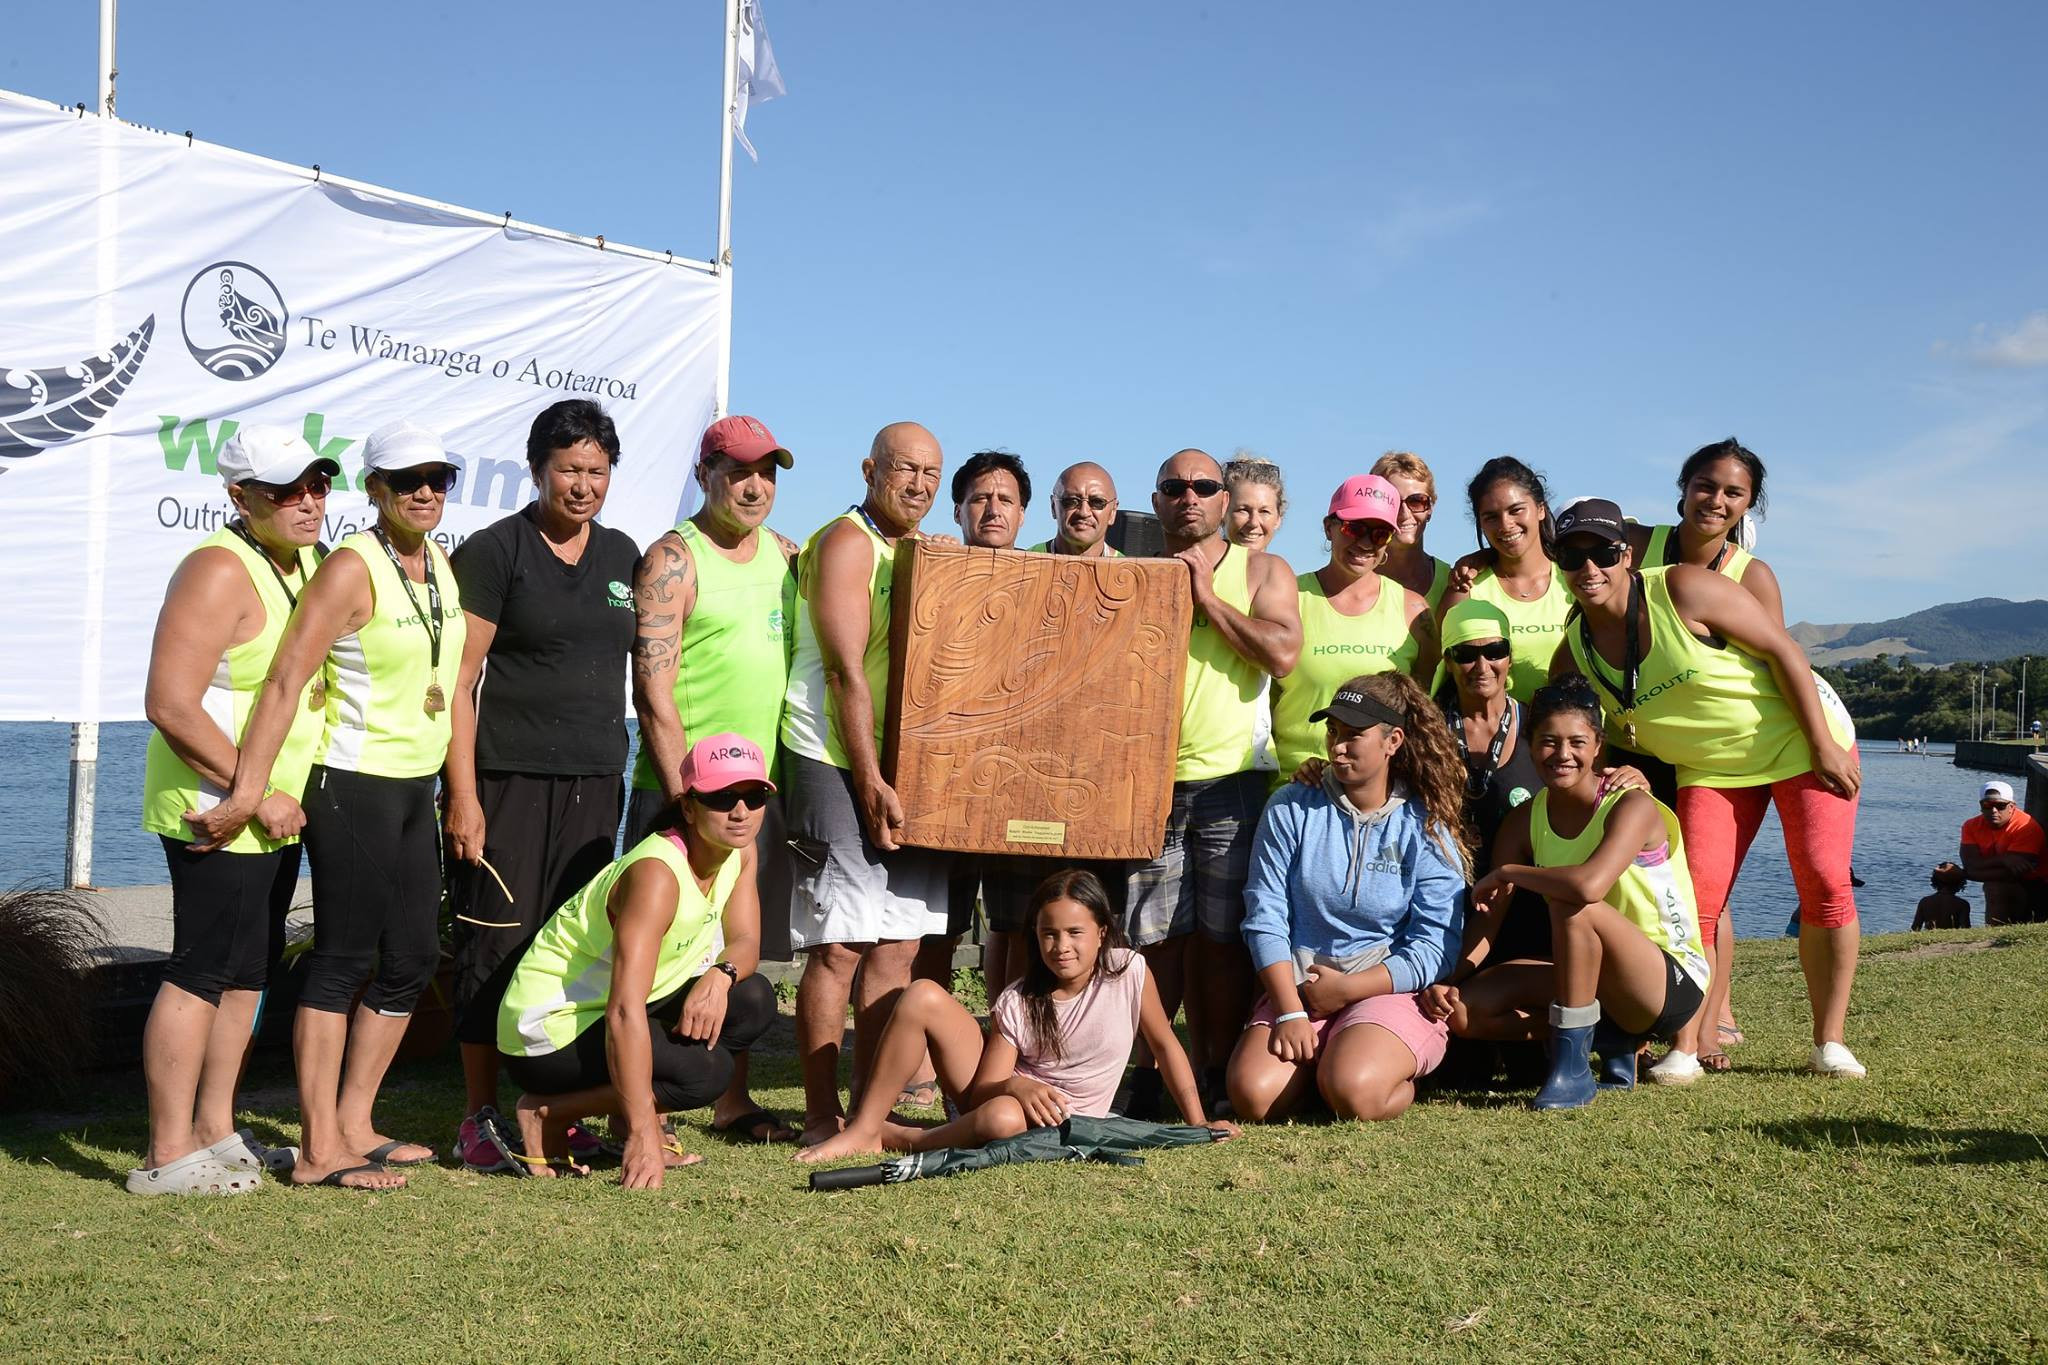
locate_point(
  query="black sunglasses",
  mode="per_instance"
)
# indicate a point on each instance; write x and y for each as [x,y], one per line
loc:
[1469,654]
[406,481]
[1573,558]
[285,494]
[1176,488]
[1993,805]
[1073,502]
[753,798]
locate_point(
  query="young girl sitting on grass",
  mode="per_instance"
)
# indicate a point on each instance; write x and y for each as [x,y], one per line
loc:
[1627,962]
[1057,1042]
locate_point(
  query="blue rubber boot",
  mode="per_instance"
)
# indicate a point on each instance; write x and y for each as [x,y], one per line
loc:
[1617,1053]
[1571,1084]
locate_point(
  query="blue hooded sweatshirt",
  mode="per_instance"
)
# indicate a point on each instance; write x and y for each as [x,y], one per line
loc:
[1333,885]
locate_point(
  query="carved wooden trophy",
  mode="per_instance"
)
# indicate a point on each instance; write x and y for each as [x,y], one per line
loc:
[1034,700]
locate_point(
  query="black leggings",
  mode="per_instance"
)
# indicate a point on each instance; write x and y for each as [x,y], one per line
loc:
[375,848]
[227,917]
[687,1074]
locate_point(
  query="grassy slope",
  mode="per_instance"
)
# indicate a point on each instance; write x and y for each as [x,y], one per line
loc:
[1764,1214]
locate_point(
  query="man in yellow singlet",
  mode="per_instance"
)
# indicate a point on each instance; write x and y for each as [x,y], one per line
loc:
[1185,906]
[711,656]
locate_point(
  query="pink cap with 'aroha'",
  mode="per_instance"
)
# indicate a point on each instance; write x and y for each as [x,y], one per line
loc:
[1366,497]
[720,761]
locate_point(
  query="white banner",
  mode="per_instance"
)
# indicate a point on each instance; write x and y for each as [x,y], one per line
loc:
[156,293]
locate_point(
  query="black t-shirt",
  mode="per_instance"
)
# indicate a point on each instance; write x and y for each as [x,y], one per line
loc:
[553,699]
[1525,931]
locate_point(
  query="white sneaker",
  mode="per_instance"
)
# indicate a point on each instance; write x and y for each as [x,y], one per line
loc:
[1677,1068]
[1832,1059]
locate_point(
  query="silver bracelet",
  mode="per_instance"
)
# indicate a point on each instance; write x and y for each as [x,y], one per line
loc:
[1290,1015]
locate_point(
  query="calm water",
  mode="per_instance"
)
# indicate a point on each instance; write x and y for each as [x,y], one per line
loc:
[1913,809]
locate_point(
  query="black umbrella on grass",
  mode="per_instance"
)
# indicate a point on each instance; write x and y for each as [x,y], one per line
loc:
[1110,1141]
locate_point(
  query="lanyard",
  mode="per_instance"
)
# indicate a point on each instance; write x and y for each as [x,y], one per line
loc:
[1631,661]
[1672,552]
[1477,783]
[247,539]
[431,624]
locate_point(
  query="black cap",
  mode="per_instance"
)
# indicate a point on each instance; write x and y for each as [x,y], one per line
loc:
[1358,710]
[1592,517]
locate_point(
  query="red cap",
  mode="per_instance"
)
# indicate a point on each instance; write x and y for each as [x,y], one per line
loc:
[744,439]
[1366,497]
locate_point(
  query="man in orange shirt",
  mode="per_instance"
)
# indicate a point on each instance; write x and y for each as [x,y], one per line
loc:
[2006,849]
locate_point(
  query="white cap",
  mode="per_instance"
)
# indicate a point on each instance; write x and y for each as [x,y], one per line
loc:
[268,455]
[2001,790]
[403,445]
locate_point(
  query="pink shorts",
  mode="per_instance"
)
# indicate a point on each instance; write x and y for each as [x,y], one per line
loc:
[1399,1015]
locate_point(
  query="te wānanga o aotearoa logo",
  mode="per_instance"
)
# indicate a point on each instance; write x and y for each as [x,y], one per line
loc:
[234,320]
[47,407]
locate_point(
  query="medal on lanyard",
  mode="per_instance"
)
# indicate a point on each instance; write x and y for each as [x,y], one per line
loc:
[1632,663]
[436,700]
[1476,784]
[316,695]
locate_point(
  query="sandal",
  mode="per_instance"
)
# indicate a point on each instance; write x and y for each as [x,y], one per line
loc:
[339,1179]
[199,1173]
[381,1154]
[522,1165]
[758,1125]
[1731,1036]
[923,1095]
[1715,1062]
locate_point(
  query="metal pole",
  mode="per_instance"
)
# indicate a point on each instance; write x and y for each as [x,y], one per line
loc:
[85,734]
[721,261]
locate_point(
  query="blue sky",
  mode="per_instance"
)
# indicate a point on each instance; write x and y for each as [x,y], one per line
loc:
[1594,238]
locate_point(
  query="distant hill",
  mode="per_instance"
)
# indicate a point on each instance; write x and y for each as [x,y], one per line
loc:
[1982,628]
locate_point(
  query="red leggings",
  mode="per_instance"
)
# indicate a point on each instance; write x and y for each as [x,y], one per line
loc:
[1820,833]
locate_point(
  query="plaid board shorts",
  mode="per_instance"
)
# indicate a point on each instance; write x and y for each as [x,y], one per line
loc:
[1197,881]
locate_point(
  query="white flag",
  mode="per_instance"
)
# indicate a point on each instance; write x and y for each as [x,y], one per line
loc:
[759,79]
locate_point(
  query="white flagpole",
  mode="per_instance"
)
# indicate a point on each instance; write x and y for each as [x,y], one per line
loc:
[85,734]
[721,261]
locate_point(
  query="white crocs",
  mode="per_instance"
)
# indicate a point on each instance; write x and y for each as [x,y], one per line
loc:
[240,1151]
[199,1173]
[1677,1068]
[1833,1059]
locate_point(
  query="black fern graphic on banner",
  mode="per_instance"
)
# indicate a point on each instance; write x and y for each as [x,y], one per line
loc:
[44,408]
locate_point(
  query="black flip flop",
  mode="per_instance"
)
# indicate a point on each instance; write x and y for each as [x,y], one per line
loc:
[743,1128]
[381,1154]
[334,1178]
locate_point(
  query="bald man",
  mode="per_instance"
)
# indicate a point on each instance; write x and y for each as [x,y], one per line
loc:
[1185,908]
[1083,508]
[861,901]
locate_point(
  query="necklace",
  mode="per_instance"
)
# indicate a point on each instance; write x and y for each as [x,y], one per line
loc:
[436,700]
[316,695]
[1476,782]
[1631,662]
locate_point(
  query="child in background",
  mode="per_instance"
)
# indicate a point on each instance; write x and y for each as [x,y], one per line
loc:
[1057,1043]
[1945,909]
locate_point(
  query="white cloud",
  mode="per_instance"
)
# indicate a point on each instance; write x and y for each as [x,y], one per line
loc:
[2021,346]
[1416,218]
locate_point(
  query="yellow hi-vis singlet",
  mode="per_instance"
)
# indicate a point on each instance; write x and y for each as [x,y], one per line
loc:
[377,721]
[1219,710]
[1533,629]
[563,983]
[1654,892]
[1662,551]
[732,664]
[169,785]
[1712,711]
[810,720]
[1334,649]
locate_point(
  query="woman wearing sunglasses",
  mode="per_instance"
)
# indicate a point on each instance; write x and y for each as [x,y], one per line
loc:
[222,618]
[1702,676]
[635,996]
[1513,570]
[1407,563]
[1354,619]
[381,626]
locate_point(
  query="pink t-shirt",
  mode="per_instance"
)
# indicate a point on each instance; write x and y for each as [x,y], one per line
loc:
[1097,1028]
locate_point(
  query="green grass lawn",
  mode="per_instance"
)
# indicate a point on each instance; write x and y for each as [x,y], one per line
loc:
[1762,1215]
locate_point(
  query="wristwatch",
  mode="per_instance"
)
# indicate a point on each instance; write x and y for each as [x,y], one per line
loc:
[731,973]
